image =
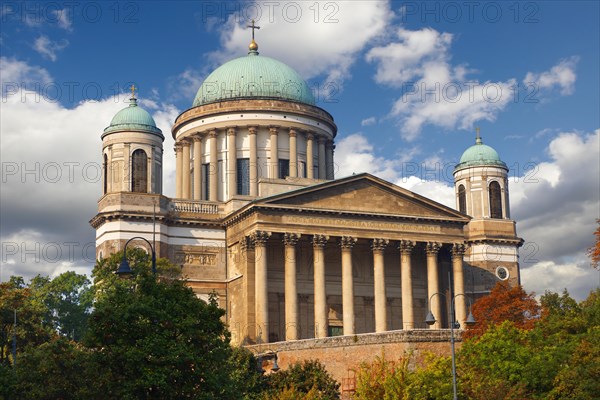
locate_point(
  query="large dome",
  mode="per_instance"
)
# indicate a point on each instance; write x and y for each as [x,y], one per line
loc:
[479,154]
[253,76]
[133,118]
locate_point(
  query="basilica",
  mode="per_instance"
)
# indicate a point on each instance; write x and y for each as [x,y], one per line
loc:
[290,250]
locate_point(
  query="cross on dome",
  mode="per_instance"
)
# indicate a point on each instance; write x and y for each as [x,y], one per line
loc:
[253,46]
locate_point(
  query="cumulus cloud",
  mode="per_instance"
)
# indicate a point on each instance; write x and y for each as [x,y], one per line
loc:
[433,91]
[48,48]
[368,121]
[51,172]
[561,76]
[314,38]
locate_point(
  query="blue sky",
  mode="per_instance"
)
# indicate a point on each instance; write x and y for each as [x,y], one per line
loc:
[527,73]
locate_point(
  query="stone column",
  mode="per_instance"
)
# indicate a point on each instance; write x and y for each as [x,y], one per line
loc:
[231,163]
[273,153]
[346,243]
[261,291]
[185,171]
[291,291]
[150,171]
[213,167]
[458,252]
[310,162]
[322,162]
[329,166]
[253,161]
[293,154]
[178,169]
[127,170]
[321,317]
[109,171]
[378,246]
[432,249]
[197,168]
[408,319]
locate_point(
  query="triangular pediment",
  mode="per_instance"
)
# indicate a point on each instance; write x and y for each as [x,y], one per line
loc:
[362,193]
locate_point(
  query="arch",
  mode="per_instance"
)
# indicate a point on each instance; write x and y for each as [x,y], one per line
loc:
[105,173]
[495,200]
[462,199]
[139,171]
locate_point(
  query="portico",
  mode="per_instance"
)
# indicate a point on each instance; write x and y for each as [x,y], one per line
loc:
[313,271]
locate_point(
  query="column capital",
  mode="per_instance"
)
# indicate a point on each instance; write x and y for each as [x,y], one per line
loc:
[321,139]
[319,241]
[252,130]
[347,242]
[196,138]
[273,130]
[303,298]
[310,135]
[231,131]
[458,250]
[247,243]
[178,148]
[406,246]
[260,238]
[329,144]
[212,133]
[185,142]
[379,244]
[293,132]
[433,248]
[290,239]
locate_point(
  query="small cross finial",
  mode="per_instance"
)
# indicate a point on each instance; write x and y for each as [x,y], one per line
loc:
[253,26]
[132,88]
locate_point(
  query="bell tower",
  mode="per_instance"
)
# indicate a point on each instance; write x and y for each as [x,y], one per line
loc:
[481,189]
[132,149]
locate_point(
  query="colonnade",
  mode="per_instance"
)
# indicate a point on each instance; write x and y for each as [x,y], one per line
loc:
[207,140]
[259,240]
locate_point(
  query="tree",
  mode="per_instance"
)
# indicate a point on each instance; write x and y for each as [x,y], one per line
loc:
[594,251]
[155,339]
[504,303]
[382,379]
[306,380]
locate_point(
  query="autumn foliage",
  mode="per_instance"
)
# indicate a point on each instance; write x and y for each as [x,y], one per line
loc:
[504,303]
[594,251]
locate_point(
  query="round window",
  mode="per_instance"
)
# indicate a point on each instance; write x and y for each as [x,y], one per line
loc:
[502,273]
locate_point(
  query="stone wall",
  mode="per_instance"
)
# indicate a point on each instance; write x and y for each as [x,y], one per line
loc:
[341,354]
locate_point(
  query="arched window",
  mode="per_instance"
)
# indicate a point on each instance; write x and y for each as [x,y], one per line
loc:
[139,171]
[105,173]
[495,200]
[462,199]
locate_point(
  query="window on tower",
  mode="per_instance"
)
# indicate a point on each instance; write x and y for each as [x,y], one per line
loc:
[105,173]
[139,171]
[243,176]
[495,200]
[462,199]
[284,168]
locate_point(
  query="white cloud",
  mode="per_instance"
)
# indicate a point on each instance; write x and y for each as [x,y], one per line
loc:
[314,38]
[562,76]
[368,121]
[16,74]
[434,92]
[47,48]
[577,277]
[62,19]
[185,85]
[354,155]
[51,171]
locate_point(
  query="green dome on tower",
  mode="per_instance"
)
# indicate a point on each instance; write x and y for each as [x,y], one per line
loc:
[133,118]
[254,77]
[479,154]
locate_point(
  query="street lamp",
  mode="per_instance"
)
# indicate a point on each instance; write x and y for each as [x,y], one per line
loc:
[470,321]
[124,270]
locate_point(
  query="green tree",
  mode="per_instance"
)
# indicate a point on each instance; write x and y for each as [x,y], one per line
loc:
[383,379]
[433,381]
[308,378]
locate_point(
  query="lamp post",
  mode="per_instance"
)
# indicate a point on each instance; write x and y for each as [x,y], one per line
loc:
[430,320]
[124,269]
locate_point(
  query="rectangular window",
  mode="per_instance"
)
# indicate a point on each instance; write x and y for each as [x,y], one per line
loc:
[335,331]
[243,176]
[284,168]
[206,181]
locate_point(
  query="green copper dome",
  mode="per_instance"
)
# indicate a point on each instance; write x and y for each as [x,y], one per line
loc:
[133,118]
[253,76]
[479,154]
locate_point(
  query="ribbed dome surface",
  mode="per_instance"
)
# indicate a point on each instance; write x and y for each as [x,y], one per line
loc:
[253,76]
[133,118]
[479,154]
